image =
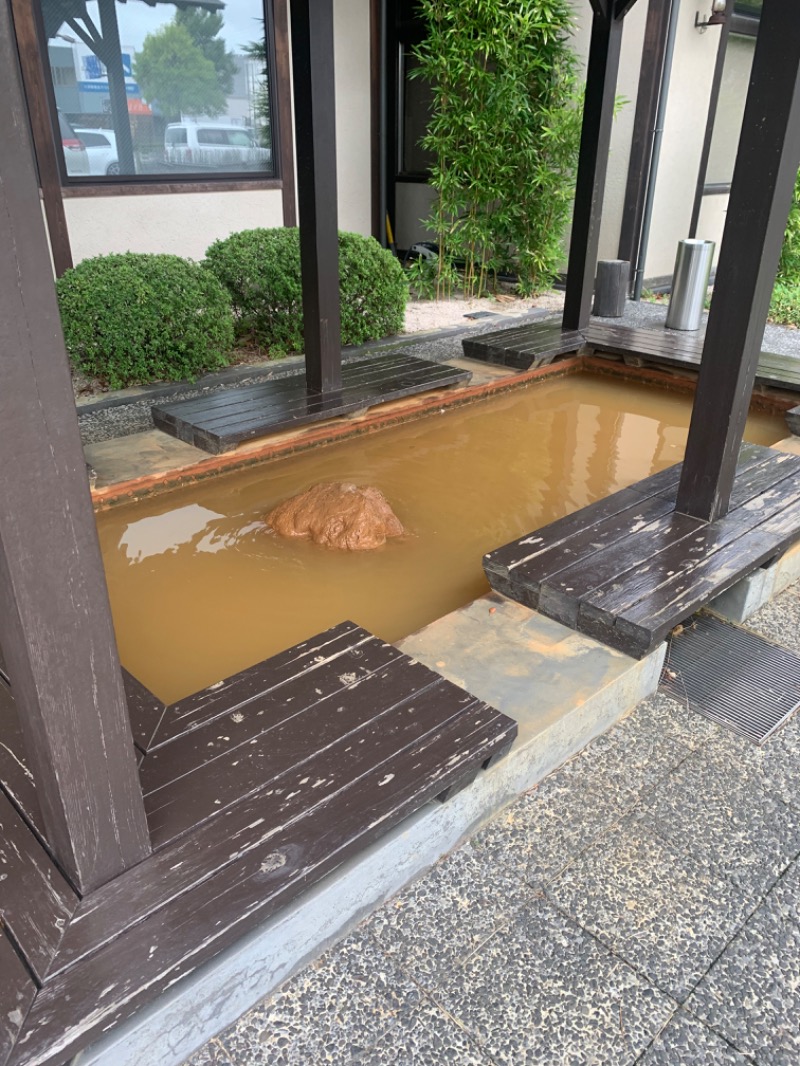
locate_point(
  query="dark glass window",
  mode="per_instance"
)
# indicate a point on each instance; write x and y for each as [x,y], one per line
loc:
[181,90]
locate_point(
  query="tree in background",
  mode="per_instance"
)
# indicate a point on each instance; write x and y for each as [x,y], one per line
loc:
[174,73]
[257,50]
[504,135]
[203,27]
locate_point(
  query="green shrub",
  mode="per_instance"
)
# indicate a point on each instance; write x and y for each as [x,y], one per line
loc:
[130,318]
[503,136]
[261,270]
[785,305]
[789,267]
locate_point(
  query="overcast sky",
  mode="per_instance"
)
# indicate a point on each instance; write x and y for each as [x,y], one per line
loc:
[243,22]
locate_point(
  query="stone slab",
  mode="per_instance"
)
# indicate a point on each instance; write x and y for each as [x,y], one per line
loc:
[531,681]
[139,455]
[752,592]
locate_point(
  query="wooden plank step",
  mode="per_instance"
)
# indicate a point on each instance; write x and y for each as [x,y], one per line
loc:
[16,777]
[667,348]
[533,558]
[626,570]
[386,747]
[231,695]
[17,993]
[36,901]
[523,347]
[220,421]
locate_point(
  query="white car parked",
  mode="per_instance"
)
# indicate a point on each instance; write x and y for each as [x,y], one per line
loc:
[205,146]
[101,148]
[75,155]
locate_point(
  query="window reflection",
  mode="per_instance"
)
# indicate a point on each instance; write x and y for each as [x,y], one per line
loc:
[157,88]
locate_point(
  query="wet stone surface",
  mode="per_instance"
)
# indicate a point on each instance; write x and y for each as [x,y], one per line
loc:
[640,906]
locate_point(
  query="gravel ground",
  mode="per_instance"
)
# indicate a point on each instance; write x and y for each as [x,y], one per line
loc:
[640,906]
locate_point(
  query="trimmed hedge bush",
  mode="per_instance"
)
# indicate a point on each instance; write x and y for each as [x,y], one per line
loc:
[261,270]
[130,319]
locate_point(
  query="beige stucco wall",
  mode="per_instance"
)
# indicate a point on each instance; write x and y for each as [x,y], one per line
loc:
[622,131]
[186,223]
[730,110]
[684,131]
[181,223]
[351,26]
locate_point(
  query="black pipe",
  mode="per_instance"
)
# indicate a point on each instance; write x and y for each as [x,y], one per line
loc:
[658,133]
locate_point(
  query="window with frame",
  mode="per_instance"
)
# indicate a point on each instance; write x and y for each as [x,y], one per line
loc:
[160,91]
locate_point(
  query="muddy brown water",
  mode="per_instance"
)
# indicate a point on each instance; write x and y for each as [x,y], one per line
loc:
[200,589]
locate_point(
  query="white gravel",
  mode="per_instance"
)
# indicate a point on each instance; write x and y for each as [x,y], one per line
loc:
[424,315]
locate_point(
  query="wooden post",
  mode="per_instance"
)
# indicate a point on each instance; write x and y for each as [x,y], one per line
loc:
[761,193]
[598,116]
[644,127]
[55,622]
[315,111]
[46,151]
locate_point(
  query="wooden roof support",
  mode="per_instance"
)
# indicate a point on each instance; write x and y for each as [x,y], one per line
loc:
[761,192]
[598,116]
[315,124]
[55,622]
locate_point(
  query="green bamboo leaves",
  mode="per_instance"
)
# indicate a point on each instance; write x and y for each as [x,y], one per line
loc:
[504,134]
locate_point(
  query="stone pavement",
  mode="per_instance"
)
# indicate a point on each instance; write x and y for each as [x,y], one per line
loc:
[641,905]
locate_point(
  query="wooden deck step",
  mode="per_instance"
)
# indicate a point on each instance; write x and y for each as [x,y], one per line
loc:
[662,347]
[628,568]
[255,788]
[220,421]
[523,347]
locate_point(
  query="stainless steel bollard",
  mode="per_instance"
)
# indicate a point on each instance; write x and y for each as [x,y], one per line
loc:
[689,284]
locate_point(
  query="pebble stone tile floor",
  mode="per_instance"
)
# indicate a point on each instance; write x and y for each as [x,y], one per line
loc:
[641,905]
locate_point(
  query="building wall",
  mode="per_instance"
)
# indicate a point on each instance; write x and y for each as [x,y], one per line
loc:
[186,223]
[682,145]
[622,131]
[180,223]
[353,110]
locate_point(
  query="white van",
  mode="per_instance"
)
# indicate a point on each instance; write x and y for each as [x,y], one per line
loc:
[208,146]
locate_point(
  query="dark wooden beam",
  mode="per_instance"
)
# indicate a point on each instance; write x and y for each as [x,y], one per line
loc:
[644,124]
[761,193]
[315,108]
[598,116]
[36,93]
[282,80]
[55,621]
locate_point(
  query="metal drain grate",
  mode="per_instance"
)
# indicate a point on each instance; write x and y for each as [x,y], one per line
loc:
[732,676]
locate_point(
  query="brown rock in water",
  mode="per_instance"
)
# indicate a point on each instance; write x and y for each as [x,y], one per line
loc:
[338,515]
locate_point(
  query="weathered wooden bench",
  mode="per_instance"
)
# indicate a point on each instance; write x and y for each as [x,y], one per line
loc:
[523,347]
[254,788]
[629,567]
[221,420]
[662,347]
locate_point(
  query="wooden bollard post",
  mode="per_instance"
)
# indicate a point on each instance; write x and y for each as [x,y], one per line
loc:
[611,287]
